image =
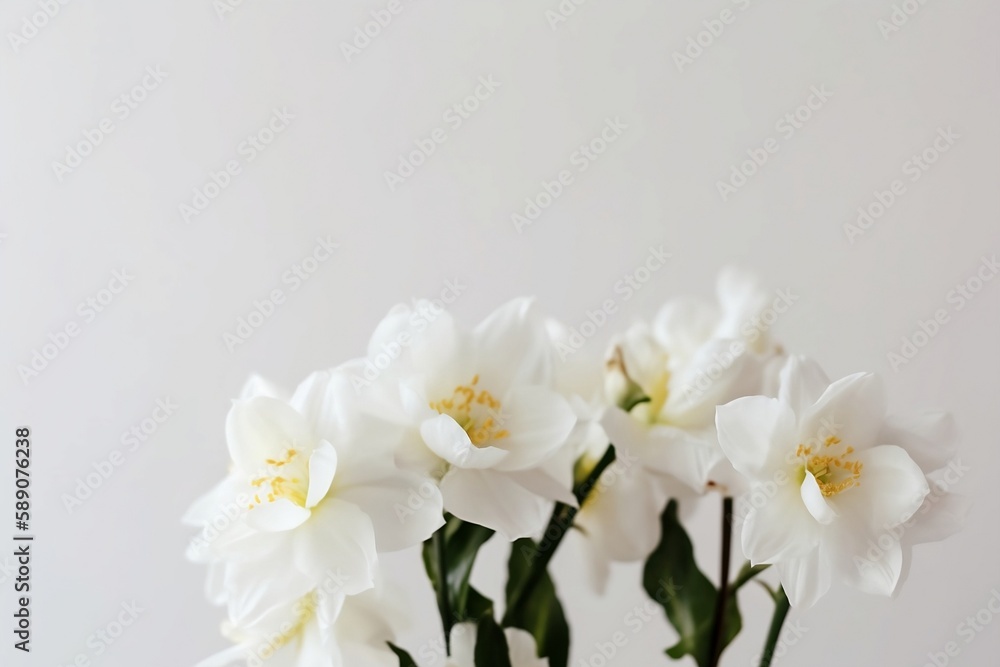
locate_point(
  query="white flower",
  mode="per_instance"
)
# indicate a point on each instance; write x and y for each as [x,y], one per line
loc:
[323,628]
[520,645]
[317,492]
[829,477]
[665,380]
[478,409]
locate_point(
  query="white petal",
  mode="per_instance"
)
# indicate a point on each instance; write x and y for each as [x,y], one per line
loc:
[542,484]
[870,564]
[280,515]
[684,324]
[261,428]
[322,469]
[802,382]
[512,347]
[463,644]
[230,656]
[405,508]
[538,421]
[720,371]
[805,579]
[929,438]
[623,515]
[447,439]
[777,526]
[756,433]
[339,541]
[814,501]
[495,500]
[891,488]
[852,409]
[942,515]
[522,649]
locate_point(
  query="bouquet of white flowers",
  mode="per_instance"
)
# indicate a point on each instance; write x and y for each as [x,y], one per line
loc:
[449,437]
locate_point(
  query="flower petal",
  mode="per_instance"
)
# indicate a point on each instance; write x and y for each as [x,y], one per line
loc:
[805,579]
[405,508]
[512,347]
[277,516]
[756,433]
[537,421]
[322,469]
[339,541]
[813,498]
[777,526]
[890,490]
[928,438]
[261,428]
[447,439]
[802,382]
[495,500]
[852,409]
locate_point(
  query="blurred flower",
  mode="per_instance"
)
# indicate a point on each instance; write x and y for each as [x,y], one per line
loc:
[666,379]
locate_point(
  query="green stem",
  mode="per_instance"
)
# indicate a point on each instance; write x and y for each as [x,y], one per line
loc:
[444,604]
[559,524]
[780,612]
[718,625]
[746,575]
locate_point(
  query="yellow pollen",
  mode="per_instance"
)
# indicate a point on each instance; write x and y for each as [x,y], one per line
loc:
[835,473]
[476,410]
[279,486]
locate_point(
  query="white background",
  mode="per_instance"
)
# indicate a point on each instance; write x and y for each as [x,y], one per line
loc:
[324,175]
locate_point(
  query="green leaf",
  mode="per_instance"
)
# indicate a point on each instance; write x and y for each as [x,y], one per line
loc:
[491,645]
[540,611]
[404,658]
[462,542]
[672,578]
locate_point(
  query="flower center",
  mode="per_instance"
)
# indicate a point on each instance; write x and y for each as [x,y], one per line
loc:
[834,471]
[283,478]
[476,410]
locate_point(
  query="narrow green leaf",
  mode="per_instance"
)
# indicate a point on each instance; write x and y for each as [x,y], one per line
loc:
[404,658]
[672,578]
[540,611]
[491,645]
